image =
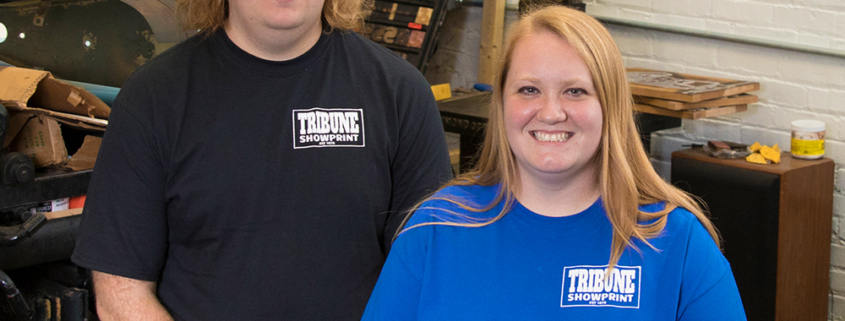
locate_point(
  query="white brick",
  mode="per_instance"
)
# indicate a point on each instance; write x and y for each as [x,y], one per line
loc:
[839,28]
[812,40]
[839,206]
[766,33]
[633,42]
[837,308]
[836,151]
[713,72]
[635,62]
[684,22]
[758,114]
[783,93]
[643,4]
[837,281]
[785,116]
[602,10]
[719,26]
[742,11]
[805,19]
[765,137]
[636,15]
[837,44]
[837,255]
[662,145]
[839,179]
[685,49]
[683,8]
[749,59]
[824,4]
[825,100]
[712,129]
[839,227]
[812,70]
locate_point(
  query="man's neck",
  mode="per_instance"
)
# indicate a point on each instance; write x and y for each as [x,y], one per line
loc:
[271,44]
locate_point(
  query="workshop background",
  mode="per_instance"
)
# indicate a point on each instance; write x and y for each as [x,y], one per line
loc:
[795,49]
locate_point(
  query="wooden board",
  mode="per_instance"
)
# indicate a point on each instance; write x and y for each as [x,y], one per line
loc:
[683,87]
[741,99]
[692,113]
[492,33]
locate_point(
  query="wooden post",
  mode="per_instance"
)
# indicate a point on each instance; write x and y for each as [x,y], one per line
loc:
[492,30]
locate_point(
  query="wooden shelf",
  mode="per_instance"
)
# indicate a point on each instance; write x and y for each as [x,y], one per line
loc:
[691,113]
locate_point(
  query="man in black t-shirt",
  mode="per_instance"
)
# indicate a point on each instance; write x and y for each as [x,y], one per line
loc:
[259,170]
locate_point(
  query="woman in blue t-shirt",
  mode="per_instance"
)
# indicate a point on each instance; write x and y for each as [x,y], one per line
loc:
[563,217]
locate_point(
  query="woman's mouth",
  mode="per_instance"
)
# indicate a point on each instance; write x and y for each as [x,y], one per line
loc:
[547,137]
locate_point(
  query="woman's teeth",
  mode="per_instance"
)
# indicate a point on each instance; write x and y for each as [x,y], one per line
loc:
[545,137]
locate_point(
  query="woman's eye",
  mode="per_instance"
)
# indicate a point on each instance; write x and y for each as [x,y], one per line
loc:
[576,91]
[528,90]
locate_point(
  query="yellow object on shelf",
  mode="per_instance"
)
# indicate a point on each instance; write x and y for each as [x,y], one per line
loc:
[756,158]
[441,92]
[770,154]
[762,154]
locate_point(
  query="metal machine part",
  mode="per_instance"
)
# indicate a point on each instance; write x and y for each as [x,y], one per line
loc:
[16,234]
[14,296]
[100,42]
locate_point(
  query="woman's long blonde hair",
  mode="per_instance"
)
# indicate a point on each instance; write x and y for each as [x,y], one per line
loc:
[209,15]
[626,176]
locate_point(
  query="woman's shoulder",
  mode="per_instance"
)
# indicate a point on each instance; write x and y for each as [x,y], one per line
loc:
[678,217]
[457,204]
[682,226]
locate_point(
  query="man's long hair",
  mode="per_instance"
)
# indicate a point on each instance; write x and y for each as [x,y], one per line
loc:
[207,16]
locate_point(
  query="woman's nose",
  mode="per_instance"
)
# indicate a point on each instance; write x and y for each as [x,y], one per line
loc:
[551,112]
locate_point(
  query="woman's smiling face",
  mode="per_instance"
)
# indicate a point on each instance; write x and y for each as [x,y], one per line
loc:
[553,117]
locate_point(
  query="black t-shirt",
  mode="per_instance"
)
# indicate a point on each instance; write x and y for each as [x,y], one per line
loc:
[259,190]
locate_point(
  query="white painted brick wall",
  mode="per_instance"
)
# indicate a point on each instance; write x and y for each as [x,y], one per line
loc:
[742,11]
[811,22]
[691,52]
[682,8]
[804,19]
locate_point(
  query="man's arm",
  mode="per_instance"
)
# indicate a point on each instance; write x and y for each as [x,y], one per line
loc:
[120,298]
[421,164]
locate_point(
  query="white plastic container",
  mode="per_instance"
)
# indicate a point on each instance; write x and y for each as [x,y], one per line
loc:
[807,139]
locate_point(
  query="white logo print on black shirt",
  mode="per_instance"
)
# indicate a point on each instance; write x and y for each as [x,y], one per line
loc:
[324,127]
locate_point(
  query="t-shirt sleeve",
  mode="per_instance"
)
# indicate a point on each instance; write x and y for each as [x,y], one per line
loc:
[397,292]
[123,228]
[422,158]
[708,289]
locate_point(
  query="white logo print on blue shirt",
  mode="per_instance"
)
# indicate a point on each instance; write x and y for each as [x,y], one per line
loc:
[586,286]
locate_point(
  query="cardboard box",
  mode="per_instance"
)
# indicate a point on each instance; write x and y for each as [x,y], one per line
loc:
[41,140]
[16,122]
[86,156]
[37,92]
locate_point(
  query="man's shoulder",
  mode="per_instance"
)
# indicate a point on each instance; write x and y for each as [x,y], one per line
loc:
[173,61]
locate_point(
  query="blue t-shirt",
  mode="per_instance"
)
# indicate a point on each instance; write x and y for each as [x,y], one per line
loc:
[529,266]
